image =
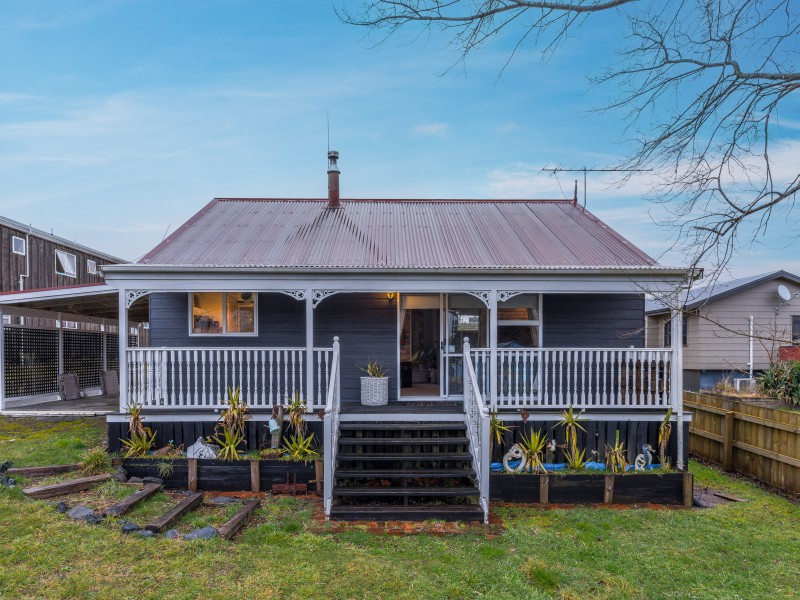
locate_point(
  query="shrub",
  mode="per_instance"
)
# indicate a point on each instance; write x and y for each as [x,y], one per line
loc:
[95,462]
[782,380]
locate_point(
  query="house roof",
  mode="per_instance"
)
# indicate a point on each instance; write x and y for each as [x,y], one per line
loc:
[10,223]
[716,291]
[396,234]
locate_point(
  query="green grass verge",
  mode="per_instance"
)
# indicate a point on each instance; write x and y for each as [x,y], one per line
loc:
[736,550]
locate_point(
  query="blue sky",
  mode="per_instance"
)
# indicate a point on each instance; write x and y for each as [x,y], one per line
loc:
[121,118]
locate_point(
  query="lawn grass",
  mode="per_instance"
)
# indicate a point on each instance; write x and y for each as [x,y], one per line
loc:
[736,550]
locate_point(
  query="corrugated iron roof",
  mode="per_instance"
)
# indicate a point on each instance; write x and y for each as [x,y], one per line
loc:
[717,290]
[396,234]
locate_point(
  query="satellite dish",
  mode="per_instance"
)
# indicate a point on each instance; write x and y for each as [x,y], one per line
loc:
[784,293]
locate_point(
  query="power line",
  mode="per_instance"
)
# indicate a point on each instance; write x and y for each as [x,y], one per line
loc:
[586,170]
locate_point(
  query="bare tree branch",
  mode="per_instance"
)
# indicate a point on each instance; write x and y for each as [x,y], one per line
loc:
[702,83]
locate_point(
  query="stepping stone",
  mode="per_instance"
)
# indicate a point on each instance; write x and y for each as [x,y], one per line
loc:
[205,533]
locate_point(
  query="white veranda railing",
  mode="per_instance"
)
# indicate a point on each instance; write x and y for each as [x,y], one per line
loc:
[580,377]
[191,378]
[476,418]
[331,424]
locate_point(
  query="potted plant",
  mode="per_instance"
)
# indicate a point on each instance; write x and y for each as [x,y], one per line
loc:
[375,386]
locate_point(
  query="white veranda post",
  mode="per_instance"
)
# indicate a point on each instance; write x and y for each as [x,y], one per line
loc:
[123,350]
[676,329]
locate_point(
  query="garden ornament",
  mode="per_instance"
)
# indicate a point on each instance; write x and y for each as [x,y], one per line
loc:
[515,453]
[274,427]
[644,460]
[201,449]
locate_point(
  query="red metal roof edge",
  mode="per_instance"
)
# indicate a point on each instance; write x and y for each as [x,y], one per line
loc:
[178,231]
[54,288]
[409,200]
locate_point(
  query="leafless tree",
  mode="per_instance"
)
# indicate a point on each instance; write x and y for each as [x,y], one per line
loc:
[702,82]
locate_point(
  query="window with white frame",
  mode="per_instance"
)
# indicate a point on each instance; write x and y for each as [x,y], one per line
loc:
[223,313]
[18,245]
[91,267]
[518,322]
[66,264]
[796,330]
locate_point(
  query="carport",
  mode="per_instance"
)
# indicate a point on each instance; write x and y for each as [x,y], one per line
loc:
[74,330]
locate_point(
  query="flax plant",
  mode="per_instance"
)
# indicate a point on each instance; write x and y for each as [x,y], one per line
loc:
[532,447]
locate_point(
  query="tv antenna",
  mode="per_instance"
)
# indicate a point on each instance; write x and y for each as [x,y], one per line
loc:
[586,170]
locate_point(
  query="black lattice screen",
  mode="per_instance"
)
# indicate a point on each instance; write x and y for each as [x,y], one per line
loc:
[31,361]
[112,349]
[83,355]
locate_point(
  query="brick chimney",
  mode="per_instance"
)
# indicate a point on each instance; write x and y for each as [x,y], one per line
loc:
[333,179]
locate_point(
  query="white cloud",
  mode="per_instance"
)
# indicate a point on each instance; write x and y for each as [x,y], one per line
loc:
[14,98]
[434,129]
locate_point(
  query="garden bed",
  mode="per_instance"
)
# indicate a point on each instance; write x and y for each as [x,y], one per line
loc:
[222,476]
[593,488]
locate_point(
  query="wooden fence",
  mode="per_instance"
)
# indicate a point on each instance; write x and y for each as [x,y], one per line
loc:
[747,438]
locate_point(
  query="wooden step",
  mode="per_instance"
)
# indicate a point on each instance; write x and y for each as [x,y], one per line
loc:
[396,491]
[123,506]
[402,441]
[42,471]
[229,528]
[402,473]
[66,487]
[441,512]
[176,512]
[404,456]
[426,426]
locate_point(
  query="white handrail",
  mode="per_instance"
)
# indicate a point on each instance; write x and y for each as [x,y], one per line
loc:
[476,419]
[331,429]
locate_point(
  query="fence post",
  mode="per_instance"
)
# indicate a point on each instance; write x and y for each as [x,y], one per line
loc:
[727,438]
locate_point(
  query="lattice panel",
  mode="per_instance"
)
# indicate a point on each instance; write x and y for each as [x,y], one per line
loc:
[31,361]
[112,349]
[83,355]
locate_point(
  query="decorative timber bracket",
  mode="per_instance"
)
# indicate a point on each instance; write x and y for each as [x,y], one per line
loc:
[296,294]
[320,295]
[482,295]
[503,296]
[132,296]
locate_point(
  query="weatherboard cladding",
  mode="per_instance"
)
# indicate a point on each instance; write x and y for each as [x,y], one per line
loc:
[396,234]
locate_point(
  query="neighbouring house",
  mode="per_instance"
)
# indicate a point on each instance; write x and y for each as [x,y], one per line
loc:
[730,330]
[525,307]
[58,317]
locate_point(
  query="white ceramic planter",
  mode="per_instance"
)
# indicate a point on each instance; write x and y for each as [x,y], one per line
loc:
[374,391]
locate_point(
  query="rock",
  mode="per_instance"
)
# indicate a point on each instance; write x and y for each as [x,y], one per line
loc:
[130,528]
[145,533]
[162,451]
[120,475]
[156,480]
[223,500]
[135,480]
[7,481]
[6,466]
[81,513]
[201,449]
[94,519]
[173,534]
[206,533]
[62,507]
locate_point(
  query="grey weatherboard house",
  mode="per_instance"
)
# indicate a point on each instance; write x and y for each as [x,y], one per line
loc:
[717,338]
[519,306]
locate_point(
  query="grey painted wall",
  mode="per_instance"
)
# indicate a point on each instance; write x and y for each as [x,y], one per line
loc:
[367,328]
[592,320]
[281,322]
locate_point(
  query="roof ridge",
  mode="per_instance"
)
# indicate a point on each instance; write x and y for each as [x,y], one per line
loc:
[411,200]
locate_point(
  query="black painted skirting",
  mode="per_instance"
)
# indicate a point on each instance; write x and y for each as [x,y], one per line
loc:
[598,433]
[185,433]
